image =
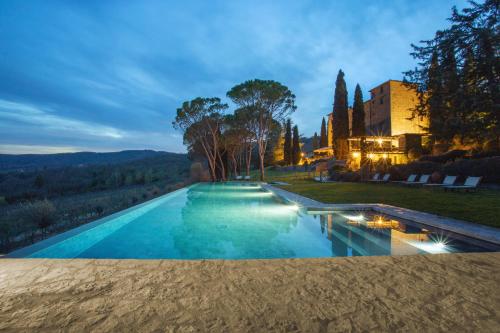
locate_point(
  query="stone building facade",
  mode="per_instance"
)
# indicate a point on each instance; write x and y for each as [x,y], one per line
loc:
[391,128]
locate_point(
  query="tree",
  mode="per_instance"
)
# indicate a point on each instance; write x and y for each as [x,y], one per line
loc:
[233,141]
[323,139]
[247,125]
[340,118]
[287,148]
[296,153]
[41,213]
[266,101]
[201,120]
[451,86]
[358,114]
[457,77]
[39,181]
[315,141]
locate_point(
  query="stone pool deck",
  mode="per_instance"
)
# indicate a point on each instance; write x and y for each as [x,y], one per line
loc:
[424,293]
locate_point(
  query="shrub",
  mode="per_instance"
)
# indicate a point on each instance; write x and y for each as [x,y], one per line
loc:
[484,167]
[99,210]
[402,171]
[452,155]
[40,213]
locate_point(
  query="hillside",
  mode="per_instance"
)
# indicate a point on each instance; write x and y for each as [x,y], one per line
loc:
[76,176]
[31,162]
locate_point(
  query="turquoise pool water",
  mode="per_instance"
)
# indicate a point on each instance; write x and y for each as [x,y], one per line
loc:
[242,221]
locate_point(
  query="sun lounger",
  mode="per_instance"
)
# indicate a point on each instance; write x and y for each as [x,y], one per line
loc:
[384,179]
[375,177]
[424,179]
[247,177]
[448,181]
[470,184]
[411,179]
[239,177]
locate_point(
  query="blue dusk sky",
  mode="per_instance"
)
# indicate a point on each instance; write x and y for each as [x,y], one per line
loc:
[109,75]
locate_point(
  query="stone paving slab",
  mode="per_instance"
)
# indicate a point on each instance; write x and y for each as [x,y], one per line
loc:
[423,293]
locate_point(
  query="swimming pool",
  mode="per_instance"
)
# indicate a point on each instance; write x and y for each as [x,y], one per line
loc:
[243,221]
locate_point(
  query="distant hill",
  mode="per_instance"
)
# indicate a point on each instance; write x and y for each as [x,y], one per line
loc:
[33,162]
[68,174]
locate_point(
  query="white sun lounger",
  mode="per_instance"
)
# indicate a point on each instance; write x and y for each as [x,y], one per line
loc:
[411,179]
[247,177]
[424,179]
[239,177]
[384,179]
[471,184]
[448,181]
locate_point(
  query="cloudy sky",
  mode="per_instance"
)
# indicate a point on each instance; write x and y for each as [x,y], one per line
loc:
[108,75]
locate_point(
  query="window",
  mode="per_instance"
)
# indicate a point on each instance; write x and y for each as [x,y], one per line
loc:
[381,89]
[382,100]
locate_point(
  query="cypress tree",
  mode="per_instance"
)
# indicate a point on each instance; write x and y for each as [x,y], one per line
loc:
[296,153]
[315,141]
[358,113]
[323,139]
[340,118]
[287,147]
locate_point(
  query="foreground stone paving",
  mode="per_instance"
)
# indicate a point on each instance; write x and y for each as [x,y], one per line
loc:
[452,292]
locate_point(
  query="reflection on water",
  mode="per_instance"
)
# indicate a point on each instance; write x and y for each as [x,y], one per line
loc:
[368,233]
[231,221]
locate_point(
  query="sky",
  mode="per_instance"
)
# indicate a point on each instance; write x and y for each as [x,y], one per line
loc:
[109,75]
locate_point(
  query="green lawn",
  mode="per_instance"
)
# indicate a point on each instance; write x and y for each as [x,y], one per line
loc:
[481,207]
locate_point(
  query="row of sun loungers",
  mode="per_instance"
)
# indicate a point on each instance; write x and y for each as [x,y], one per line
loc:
[471,183]
[242,178]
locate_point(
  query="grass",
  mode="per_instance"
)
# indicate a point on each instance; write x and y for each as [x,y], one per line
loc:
[481,207]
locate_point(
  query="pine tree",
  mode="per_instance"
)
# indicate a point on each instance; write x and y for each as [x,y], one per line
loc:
[470,122]
[296,153]
[451,86]
[315,141]
[287,147]
[435,102]
[323,139]
[340,118]
[358,113]
[461,104]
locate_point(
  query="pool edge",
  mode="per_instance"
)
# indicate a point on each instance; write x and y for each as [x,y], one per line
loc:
[469,229]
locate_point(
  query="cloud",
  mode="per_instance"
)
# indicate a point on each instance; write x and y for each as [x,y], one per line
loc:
[28,114]
[105,76]
[37,149]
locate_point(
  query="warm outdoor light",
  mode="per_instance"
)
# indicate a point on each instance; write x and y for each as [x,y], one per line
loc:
[379,141]
[356,154]
[370,155]
[384,156]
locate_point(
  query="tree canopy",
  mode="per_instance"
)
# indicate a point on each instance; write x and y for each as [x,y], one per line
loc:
[457,77]
[266,101]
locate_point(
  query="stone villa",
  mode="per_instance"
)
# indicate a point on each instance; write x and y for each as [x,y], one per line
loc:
[391,130]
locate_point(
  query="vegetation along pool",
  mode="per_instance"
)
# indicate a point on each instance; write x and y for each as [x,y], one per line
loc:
[243,221]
